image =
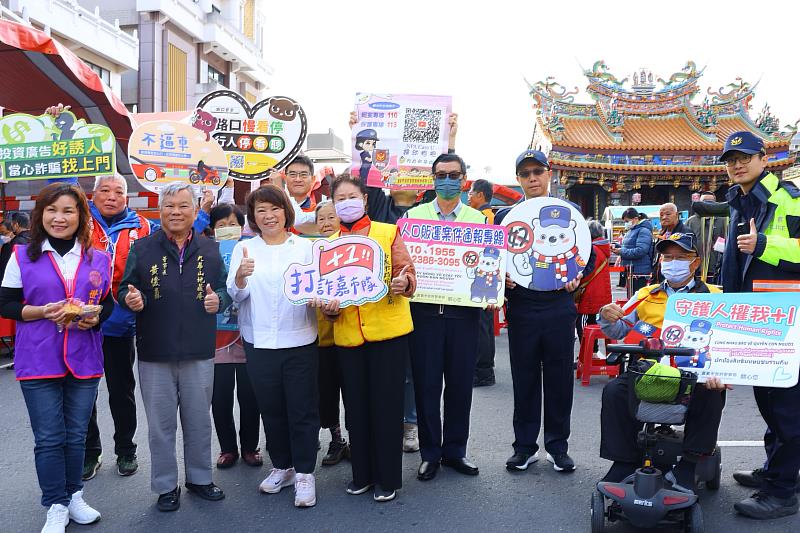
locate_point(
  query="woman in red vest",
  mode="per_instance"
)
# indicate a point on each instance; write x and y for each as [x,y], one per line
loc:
[595,289]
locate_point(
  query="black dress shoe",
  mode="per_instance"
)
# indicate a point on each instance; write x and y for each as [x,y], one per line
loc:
[462,465]
[208,492]
[170,501]
[763,506]
[427,470]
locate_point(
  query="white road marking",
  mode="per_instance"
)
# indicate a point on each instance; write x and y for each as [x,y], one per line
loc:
[740,443]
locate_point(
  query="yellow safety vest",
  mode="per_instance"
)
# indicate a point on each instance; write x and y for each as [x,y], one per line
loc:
[653,306]
[386,319]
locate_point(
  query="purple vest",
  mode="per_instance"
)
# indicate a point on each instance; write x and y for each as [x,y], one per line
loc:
[43,352]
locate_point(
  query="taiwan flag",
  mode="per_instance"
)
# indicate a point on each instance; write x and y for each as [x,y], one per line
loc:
[642,330]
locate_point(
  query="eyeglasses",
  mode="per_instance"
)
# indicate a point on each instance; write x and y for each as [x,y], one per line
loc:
[448,175]
[535,172]
[743,159]
[303,175]
[669,257]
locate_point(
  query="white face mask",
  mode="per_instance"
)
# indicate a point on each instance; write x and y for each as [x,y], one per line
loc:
[675,271]
[228,233]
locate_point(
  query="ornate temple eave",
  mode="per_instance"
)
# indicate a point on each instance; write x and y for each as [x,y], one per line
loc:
[585,166]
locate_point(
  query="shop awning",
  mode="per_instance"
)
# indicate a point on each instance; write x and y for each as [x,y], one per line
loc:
[36,72]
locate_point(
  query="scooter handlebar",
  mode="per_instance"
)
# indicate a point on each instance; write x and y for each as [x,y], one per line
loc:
[637,349]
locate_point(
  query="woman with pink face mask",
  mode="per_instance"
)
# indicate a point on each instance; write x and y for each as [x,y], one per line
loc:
[372,345]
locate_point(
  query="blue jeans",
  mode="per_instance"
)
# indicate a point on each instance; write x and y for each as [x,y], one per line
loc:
[409,403]
[59,409]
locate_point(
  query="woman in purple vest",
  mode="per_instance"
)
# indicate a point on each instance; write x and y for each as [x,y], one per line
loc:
[59,357]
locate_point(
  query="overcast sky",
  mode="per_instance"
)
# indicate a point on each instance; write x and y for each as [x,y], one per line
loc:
[323,52]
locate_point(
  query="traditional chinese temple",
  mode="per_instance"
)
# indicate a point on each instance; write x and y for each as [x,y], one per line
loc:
[643,139]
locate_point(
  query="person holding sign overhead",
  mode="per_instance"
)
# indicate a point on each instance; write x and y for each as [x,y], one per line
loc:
[444,345]
[175,283]
[541,338]
[280,341]
[372,339]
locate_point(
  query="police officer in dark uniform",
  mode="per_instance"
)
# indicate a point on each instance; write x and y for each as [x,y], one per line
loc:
[541,340]
[763,244]
[366,140]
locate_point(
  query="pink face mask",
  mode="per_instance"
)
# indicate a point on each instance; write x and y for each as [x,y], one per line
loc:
[350,210]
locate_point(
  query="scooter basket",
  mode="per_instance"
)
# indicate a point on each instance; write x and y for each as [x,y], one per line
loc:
[658,398]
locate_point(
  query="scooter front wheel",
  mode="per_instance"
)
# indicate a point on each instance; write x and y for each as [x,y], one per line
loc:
[694,519]
[598,512]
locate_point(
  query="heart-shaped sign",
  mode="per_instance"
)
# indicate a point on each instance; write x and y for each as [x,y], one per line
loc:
[257,139]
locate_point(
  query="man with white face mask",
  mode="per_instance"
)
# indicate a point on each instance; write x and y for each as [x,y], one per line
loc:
[618,429]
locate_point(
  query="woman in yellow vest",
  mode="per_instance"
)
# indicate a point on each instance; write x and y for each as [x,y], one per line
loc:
[372,342]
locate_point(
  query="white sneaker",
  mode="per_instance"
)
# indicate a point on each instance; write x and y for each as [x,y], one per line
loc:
[80,512]
[410,439]
[305,491]
[57,519]
[276,480]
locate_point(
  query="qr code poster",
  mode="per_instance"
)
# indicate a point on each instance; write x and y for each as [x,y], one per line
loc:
[752,341]
[548,243]
[257,139]
[398,137]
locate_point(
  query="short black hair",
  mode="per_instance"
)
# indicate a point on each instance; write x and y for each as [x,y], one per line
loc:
[302,159]
[449,158]
[343,178]
[485,188]
[630,213]
[270,194]
[220,211]
[21,219]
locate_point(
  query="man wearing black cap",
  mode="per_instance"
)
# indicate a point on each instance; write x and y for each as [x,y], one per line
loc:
[618,428]
[763,244]
[541,340]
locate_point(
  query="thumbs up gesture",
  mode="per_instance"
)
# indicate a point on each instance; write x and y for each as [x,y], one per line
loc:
[747,243]
[246,268]
[211,301]
[400,283]
[134,299]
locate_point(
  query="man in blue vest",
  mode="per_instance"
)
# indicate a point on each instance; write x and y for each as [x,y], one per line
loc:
[444,344]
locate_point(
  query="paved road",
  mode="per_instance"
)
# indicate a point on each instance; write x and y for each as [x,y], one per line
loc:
[537,500]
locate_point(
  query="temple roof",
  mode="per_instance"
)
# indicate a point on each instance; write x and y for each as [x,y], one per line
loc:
[650,114]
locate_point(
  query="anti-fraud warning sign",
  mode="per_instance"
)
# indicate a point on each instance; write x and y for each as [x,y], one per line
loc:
[46,147]
[349,269]
[256,139]
[456,263]
[398,137]
[228,318]
[548,243]
[166,151]
[750,339]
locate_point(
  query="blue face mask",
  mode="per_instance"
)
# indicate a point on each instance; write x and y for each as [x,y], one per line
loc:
[447,188]
[675,271]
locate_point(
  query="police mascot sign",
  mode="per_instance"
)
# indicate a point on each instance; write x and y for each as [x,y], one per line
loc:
[548,243]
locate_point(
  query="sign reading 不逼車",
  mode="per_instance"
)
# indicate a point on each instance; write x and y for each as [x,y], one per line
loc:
[48,146]
[257,139]
[548,243]
[165,151]
[398,137]
[456,263]
[348,269]
[742,339]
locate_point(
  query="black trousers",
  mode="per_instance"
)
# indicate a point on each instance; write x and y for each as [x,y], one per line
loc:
[226,377]
[374,374]
[285,385]
[780,409]
[541,341]
[118,358]
[443,349]
[618,426]
[330,386]
[484,367]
